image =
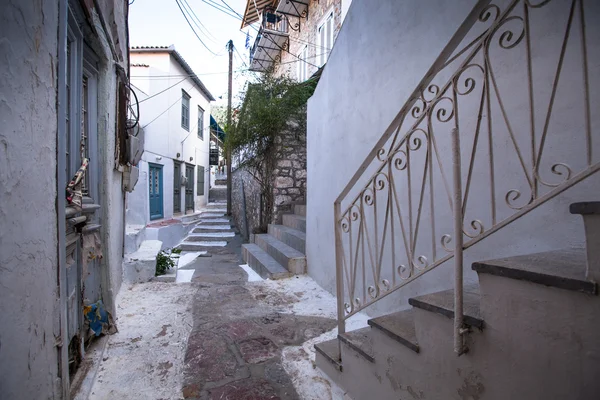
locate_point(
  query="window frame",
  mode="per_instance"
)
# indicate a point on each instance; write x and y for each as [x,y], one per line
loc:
[323,51]
[185,110]
[302,69]
[200,123]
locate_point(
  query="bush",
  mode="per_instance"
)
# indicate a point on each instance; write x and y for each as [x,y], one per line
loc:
[164,262]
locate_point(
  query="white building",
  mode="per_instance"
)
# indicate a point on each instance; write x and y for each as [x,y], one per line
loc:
[174,108]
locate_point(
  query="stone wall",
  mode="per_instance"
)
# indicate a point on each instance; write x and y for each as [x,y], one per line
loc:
[289,183]
[306,36]
[289,176]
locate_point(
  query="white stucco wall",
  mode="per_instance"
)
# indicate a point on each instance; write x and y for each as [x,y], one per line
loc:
[165,137]
[28,221]
[383,74]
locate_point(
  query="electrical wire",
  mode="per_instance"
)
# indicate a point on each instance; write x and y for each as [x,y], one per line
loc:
[199,23]
[195,33]
[162,91]
[218,7]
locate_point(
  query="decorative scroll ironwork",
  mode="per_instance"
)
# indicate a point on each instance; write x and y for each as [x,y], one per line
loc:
[515,153]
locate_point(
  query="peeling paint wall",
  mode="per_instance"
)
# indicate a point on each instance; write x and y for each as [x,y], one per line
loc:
[29,249]
[28,221]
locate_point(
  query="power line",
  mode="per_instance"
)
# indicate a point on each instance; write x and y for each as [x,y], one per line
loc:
[200,25]
[235,12]
[218,7]
[162,91]
[195,33]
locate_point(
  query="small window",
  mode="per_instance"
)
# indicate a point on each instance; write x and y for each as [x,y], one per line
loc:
[324,39]
[200,183]
[185,110]
[302,65]
[200,123]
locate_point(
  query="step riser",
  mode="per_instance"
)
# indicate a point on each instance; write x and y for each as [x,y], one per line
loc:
[207,239]
[300,210]
[289,220]
[190,247]
[258,267]
[287,238]
[294,265]
[214,222]
[200,230]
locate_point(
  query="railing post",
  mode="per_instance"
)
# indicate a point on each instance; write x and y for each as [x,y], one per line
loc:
[459,346]
[339,269]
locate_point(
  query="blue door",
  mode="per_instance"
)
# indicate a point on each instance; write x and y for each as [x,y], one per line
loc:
[155,186]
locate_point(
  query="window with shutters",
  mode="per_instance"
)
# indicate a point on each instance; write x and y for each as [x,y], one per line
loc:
[185,110]
[200,123]
[200,183]
[302,65]
[324,39]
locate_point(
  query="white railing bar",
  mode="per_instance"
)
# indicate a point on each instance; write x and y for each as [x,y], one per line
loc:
[458,244]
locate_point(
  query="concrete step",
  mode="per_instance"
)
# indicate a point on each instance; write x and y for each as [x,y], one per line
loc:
[399,326]
[210,237]
[329,352]
[211,215]
[214,221]
[361,341]
[290,258]
[294,221]
[443,303]
[290,236]
[212,228]
[140,266]
[563,269]
[200,246]
[261,262]
[300,209]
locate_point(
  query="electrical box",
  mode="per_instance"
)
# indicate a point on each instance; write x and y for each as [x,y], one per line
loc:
[135,145]
[131,175]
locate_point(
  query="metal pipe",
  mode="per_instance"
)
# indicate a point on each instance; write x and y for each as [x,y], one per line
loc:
[458,245]
[339,277]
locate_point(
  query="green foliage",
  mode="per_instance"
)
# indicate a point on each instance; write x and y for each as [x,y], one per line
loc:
[267,107]
[164,262]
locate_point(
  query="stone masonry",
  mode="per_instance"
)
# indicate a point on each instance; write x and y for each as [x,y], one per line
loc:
[289,182]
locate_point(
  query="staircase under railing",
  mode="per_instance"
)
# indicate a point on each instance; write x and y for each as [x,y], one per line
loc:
[499,126]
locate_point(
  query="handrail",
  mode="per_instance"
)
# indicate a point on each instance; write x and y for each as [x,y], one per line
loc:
[402,221]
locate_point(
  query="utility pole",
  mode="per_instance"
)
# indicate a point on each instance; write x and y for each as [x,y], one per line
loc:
[230,48]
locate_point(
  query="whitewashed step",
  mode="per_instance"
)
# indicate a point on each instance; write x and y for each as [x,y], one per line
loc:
[213,221]
[210,236]
[212,228]
[290,236]
[211,215]
[200,246]
[261,262]
[290,258]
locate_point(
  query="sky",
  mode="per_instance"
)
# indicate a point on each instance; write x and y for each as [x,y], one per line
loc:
[161,23]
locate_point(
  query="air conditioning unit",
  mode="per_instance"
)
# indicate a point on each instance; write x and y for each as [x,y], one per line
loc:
[184,180]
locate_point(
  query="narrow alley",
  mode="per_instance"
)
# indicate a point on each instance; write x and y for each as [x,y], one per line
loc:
[227,334]
[299,200]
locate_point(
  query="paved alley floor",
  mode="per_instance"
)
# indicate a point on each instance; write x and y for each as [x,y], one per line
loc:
[218,337]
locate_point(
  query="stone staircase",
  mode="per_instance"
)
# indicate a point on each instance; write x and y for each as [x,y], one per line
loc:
[534,324]
[213,229]
[280,252]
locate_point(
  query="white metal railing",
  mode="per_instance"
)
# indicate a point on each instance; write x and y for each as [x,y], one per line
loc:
[481,143]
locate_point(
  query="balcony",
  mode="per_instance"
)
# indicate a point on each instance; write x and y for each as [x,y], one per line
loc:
[271,40]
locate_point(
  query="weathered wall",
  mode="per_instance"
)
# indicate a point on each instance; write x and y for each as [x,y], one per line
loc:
[28,219]
[342,131]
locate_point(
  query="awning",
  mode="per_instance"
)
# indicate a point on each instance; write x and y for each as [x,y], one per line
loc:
[214,126]
[253,10]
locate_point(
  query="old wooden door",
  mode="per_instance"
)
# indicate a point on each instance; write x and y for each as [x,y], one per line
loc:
[155,190]
[189,188]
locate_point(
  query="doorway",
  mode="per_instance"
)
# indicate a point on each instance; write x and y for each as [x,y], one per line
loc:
[155,187]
